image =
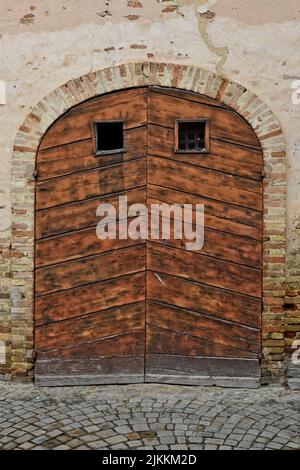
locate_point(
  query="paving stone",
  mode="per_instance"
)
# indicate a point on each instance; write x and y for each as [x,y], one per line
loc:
[89,438]
[132,436]
[148,434]
[22,439]
[167,440]
[178,447]
[98,444]
[231,442]
[151,442]
[134,444]
[105,426]
[211,440]
[40,439]
[91,428]
[17,433]
[274,445]
[122,429]
[63,438]
[106,433]
[198,440]
[29,428]
[7,431]
[26,445]
[116,440]
[257,446]
[54,433]
[148,416]
[10,446]
[76,432]
[119,447]
[293,445]
[140,427]
[74,443]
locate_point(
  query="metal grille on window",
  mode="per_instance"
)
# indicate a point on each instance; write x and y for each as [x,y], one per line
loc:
[192,136]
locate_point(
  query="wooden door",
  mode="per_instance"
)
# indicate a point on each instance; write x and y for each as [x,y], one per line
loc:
[89,294]
[203,314]
[118,311]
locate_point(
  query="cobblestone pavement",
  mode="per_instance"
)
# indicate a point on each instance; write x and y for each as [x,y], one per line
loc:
[148,416]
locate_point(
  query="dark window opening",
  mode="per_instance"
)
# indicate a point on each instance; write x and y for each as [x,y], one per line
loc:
[109,137]
[192,136]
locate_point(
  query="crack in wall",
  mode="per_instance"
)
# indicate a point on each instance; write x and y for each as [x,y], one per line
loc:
[204,18]
[221,52]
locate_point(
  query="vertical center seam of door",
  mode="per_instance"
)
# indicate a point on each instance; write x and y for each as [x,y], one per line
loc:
[146,244]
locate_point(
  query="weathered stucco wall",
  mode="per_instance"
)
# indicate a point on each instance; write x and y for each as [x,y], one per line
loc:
[255,43]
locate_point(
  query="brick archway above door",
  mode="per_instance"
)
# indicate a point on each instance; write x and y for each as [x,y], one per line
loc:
[259,116]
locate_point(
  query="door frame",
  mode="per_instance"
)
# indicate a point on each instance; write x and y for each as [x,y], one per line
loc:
[52,106]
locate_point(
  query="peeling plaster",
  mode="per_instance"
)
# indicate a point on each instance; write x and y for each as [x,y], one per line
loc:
[105,12]
[27,19]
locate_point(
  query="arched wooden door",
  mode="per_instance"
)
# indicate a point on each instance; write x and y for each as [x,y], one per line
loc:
[124,310]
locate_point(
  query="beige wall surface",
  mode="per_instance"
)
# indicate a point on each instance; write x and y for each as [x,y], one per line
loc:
[253,42]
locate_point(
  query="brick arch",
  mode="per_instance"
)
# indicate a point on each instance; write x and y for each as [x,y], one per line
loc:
[191,78]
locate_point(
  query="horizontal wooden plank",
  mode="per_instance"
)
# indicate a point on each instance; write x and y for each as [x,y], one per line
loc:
[165,364]
[119,345]
[225,124]
[76,124]
[78,156]
[204,269]
[222,156]
[164,341]
[81,271]
[201,181]
[93,333]
[91,183]
[230,229]
[221,245]
[194,296]
[58,154]
[188,95]
[171,330]
[78,244]
[92,298]
[73,371]
[233,248]
[114,100]
[85,242]
[218,215]
[206,174]
[82,214]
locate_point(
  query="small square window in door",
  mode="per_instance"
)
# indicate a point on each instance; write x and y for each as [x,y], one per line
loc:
[109,137]
[192,136]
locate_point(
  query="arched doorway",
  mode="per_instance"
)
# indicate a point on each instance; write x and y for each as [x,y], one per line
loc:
[118,311]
